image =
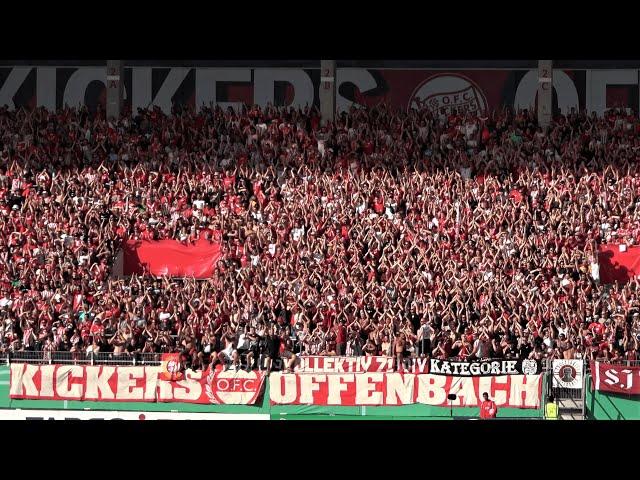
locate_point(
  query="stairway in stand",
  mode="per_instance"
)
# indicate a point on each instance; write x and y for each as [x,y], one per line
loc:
[570,409]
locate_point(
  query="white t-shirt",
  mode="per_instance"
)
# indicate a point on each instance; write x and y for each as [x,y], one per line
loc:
[595,271]
[243,341]
[470,129]
[483,348]
[297,233]
[424,332]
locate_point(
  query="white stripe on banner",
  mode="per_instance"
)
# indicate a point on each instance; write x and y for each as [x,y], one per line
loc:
[5,372]
[4,382]
[597,375]
[19,414]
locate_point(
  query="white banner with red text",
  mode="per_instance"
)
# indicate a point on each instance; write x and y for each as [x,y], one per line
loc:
[133,384]
[19,414]
[382,389]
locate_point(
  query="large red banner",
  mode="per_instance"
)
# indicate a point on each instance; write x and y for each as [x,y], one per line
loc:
[617,266]
[133,384]
[349,389]
[469,89]
[171,258]
[465,89]
[615,378]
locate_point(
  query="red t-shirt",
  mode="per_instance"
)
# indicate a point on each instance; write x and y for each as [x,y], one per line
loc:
[488,409]
[598,328]
[341,334]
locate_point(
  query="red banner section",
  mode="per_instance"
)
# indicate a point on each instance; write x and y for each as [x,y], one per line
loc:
[133,384]
[616,265]
[615,378]
[171,258]
[348,389]
[466,90]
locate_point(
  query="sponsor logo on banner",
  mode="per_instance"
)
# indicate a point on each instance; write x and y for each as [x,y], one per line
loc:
[615,378]
[360,389]
[122,415]
[451,92]
[133,384]
[567,373]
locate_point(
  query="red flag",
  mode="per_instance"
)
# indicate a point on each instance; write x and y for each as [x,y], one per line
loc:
[171,367]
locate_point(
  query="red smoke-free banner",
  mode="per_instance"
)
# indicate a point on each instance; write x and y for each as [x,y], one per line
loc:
[133,384]
[349,389]
[615,378]
[171,258]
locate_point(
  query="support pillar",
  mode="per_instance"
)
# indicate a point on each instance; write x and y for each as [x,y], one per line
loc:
[545,92]
[327,91]
[115,78]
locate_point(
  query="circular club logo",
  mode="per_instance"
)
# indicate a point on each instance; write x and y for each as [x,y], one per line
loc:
[529,367]
[566,375]
[172,366]
[449,91]
[238,388]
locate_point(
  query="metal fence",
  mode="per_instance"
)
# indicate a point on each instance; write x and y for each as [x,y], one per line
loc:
[81,358]
[622,363]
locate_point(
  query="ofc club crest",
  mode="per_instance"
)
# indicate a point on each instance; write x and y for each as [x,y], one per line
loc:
[238,388]
[449,91]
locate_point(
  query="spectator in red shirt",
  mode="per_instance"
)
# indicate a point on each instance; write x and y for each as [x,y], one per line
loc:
[341,338]
[488,408]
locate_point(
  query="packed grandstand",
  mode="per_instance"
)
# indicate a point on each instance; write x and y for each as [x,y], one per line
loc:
[442,235]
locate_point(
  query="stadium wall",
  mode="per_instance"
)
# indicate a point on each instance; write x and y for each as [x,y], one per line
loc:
[261,410]
[610,406]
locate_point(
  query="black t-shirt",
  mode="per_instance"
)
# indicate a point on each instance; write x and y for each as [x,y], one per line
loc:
[272,344]
[524,350]
[414,318]
[510,352]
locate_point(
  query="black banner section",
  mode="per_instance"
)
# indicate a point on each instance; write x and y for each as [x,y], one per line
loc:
[485,368]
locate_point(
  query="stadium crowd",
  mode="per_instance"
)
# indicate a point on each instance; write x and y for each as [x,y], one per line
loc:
[439,234]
